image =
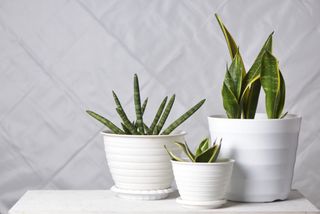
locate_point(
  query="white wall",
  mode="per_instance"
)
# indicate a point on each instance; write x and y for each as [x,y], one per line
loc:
[60,57]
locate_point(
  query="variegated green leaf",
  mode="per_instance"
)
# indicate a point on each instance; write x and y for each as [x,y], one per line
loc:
[186,150]
[271,83]
[172,156]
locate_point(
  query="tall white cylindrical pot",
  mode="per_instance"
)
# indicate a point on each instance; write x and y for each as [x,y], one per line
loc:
[264,151]
[140,162]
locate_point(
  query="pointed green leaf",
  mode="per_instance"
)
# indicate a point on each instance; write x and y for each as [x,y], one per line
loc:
[202,146]
[205,156]
[137,104]
[230,103]
[164,115]
[232,46]
[186,150]
[271,82]
[182,118]
[157,116]
[106,122]
[144,105]
[172,156]
[216,152]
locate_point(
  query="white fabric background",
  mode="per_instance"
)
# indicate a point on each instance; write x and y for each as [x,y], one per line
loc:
[60,57]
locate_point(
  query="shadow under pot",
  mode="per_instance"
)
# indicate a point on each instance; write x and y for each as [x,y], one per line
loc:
[139,164]
[265,153]
[202,185]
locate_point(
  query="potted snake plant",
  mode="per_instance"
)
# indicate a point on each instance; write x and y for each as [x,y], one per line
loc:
[202,179]
[263,145]
[139,166]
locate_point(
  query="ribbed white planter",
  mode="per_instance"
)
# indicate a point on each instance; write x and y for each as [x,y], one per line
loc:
[140,162]
[202,182]
[264,151]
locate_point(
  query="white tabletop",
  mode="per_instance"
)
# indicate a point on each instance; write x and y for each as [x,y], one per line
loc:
[104,201]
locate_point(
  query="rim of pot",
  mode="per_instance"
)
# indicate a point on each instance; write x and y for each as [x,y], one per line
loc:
[174,134]
[263,115]
[221,162]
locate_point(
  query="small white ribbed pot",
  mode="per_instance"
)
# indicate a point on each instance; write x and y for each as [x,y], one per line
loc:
[140,162]
[264,151]
[202,182]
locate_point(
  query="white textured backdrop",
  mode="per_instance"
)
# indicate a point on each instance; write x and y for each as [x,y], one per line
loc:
[60,57]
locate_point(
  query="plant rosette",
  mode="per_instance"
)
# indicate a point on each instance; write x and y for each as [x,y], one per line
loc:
[265,153]
[135,152]
[202,179]
[202,185]
[139,162]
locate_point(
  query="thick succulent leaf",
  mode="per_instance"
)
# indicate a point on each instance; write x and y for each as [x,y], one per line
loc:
[280,98]
[125,129]
[126,121]
[254,72]
[232,46]
[271,83]
[235,73]
[172,156]
[157,116]
[137,104]
[204,145]
[205,156]
[165,115]
[230,103]
[216,152]
[185,148]
[106,122]
[251,100]
[251,83]
[144,105]
[183,118]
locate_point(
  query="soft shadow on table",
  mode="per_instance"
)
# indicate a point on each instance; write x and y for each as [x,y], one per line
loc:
[174,195]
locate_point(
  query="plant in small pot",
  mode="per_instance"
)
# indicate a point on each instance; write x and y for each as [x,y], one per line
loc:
[139,165]
[202,179]
[263,145]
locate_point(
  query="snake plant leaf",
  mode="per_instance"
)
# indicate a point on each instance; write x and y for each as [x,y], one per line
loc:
[183,118]
[106,122]
[126,121]
[280,98]
[137,104]
[172,156]
[254,72]
[146,128]
[125,129]
[216,151]
[250,100]
[144,105]
[205,156]
[230,103]
[204,145]
[235,74]
[164,115]
[232,46]
[186,150]
[157,116]
[251,83]
[271,83]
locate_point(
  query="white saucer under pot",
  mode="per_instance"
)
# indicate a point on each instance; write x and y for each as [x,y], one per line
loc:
[202,185]
[140,162]
[265,153]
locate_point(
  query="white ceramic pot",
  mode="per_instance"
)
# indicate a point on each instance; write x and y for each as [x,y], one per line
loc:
[264,151]
[202,182]
[140,162]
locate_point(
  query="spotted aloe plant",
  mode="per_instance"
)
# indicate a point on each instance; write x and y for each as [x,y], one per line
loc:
[138,126]
[205,152]
[241,89]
